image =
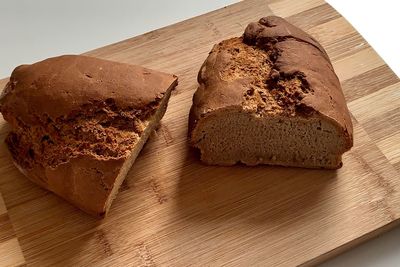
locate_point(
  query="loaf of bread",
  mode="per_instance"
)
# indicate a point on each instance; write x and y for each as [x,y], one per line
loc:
[270,97]
[79,122]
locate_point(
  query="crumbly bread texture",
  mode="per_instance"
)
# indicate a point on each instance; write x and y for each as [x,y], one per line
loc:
[79,122]
[270,97]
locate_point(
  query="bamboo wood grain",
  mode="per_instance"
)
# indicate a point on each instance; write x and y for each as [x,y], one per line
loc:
[174,211]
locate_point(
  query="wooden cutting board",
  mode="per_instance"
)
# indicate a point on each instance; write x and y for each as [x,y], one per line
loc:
[174,211]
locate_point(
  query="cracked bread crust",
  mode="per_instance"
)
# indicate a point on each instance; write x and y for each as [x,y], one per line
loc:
[76,119]
[274,69]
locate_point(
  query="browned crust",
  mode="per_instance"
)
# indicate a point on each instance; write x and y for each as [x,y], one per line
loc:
[63,90]
[293,52]
[84,181]
[60,85]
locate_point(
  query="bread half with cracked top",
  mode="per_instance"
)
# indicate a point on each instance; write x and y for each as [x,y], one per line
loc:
[78,123]
[270,96]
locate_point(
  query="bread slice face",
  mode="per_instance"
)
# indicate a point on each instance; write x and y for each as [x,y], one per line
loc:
[78,124]
[270,97]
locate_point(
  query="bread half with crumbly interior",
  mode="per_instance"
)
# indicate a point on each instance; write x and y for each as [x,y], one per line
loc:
[78,124]
[270,97]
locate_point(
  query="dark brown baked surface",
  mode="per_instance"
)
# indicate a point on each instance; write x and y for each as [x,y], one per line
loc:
[76,119]
[61,85]
[274,69]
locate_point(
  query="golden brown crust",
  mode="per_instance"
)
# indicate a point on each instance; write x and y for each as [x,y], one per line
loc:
[84,181]
[75,121]
[293,56]
[60,85]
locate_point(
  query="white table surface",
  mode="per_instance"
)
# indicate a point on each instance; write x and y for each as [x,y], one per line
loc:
[34,30]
